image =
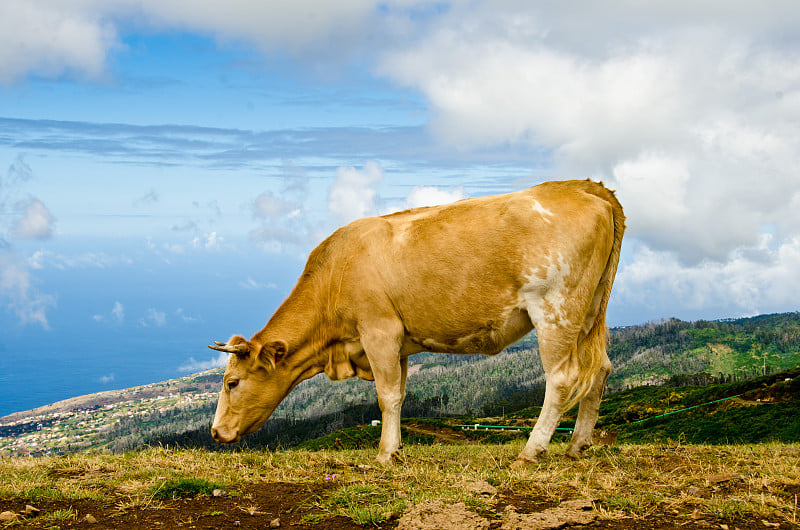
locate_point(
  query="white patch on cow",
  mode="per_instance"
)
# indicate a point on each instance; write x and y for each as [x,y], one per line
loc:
[541,210]
[544,296]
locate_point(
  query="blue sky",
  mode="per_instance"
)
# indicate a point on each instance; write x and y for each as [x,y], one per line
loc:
[165,167]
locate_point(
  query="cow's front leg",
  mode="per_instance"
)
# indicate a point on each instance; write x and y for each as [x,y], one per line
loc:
[383,351]
[390,401]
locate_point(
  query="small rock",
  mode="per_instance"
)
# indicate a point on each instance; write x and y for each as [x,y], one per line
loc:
[7,516]
[275,523]
[437,514]
[723,477]
[363,467]
[218,493]
[769,525]
[579,504]
[724,527]
[89,518]
[32,511]
[481,487]
[695,491]
[237,523]
[577,512]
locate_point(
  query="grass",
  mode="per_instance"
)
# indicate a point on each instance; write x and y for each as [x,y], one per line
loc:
[178,488]
[627,479]
[58,516]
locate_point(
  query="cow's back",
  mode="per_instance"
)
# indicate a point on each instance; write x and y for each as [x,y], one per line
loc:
[454,273]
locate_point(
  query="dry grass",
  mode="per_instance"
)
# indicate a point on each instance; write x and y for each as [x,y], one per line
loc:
[755,481]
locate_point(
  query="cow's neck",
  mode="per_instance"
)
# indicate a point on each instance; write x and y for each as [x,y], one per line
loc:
[300,322]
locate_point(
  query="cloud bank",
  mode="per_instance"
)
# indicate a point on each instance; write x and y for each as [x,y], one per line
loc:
[22,219]
[691,111]
[692,115]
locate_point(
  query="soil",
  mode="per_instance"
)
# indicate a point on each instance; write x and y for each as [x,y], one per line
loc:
[293,506]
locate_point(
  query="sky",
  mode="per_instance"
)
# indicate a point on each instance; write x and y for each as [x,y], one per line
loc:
[166,166]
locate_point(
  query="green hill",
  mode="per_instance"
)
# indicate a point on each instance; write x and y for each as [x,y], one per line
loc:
[762,409]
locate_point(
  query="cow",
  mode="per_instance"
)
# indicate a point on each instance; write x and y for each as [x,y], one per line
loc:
[468,277]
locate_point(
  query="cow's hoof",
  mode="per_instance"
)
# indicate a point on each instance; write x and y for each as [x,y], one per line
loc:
[520,463]
[576,451]
[389,459]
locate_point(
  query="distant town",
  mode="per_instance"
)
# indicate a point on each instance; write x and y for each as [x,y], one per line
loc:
[82,423]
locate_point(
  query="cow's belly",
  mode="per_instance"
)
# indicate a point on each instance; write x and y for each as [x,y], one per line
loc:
[488,337]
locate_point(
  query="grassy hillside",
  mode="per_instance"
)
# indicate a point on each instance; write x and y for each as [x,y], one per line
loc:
[672,353]
[762,409]
[728,349]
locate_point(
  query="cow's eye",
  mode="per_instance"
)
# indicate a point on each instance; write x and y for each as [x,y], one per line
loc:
[233,383]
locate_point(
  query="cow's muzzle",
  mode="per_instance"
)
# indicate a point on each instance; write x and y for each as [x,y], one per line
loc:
[225,437]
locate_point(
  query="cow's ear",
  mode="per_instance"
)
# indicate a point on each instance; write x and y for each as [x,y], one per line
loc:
[273,352]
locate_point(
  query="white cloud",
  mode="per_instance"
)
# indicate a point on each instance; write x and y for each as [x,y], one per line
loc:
[53,37]
[209,241]
[154,317]
[50,37]
[251,285]
[118,312]
[23,299]
[36,221]
[268,206]
[433,196]
[186,318]
[106,379]
[193,365]
[353,194]
[285,223]
[694,118]
[44,258]
[29,219]
[755,280]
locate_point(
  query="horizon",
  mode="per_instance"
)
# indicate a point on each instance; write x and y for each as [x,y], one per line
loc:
[165,172]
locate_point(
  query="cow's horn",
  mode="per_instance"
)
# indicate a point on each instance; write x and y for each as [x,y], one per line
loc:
[238,349]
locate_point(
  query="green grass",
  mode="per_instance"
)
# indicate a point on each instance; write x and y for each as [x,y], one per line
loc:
[367,504]
[55,517]
[184,487]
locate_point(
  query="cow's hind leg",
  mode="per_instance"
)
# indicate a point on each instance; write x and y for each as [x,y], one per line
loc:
[557,348]
[588,412]
[592,346]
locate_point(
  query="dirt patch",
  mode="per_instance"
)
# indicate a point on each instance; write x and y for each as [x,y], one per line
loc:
[259,506]
[297,506]
[435,515]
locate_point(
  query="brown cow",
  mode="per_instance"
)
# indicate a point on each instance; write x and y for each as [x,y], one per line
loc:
[469,277]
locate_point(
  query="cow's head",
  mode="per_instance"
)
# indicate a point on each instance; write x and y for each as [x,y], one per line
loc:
[252,388]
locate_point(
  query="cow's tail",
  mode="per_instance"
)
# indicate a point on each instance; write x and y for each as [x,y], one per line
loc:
[592,346]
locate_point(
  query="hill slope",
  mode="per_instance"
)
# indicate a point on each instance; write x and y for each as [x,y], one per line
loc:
[180,411]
